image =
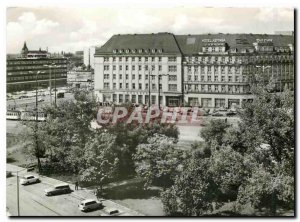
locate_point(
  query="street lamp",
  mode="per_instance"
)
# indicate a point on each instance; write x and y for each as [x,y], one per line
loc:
[18,196]
[159,75]
[50,80]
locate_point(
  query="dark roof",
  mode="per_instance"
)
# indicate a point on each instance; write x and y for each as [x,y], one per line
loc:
[37,51]
[164,41]
[192,44]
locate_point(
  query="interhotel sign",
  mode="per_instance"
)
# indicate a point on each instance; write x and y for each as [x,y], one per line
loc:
[213,40]
[264,40]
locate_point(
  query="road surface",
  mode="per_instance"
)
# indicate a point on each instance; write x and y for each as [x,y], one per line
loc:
[33,201]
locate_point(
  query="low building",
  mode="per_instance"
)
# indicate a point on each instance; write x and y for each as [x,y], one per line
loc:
[80,78]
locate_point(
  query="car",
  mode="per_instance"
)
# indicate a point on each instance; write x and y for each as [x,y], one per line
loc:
[30,167]
[231,113]
[89,204]
[29,179]
[41,100]
[62,188]
[217,114]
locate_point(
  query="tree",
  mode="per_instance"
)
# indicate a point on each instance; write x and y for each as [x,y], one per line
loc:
[157,161]
[100,160]
[214,132]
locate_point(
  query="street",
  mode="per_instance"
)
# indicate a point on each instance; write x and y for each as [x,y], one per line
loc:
[33,201]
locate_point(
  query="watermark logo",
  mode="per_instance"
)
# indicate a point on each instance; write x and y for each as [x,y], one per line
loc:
[141,115]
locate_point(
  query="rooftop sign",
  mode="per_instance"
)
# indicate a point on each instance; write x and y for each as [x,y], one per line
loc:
[213,40]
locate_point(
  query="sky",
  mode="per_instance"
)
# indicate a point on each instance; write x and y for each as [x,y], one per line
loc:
[73,29]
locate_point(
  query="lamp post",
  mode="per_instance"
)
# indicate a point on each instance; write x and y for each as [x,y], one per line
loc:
[50,81]
[18,195]
[159,75]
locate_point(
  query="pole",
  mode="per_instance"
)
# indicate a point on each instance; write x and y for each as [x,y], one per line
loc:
[18,199]
[50,83]
[36,118]
[55,88]
[149,102]
[159,91]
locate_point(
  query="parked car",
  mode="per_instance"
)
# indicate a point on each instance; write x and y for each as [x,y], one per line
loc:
[30,167]
[231,113]
[41,100]
[89,204]
[62,188]
[217,114]
[29,179]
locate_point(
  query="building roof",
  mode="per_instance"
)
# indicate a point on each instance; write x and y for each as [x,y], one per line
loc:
[192,44]
[164,41]
[188,44]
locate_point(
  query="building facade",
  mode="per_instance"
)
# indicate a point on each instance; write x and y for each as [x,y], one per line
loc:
[21,73]
[80,78]
[213,70]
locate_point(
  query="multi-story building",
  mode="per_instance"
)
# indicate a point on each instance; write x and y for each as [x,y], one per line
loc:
[213,70]
[128,65]
[21,73]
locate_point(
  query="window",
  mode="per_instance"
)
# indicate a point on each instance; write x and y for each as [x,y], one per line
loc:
[159,59]
[172,68]
[196,78]
[172,87]
[209,78]
[146,77]
[133,85]
[106,85]
[146,68]
[126,67]
[126,59]
[140,98]
[216,78]
[133,77]
[140,77]
[133,98]
[172,78]
[126,76]
[106,67]
[114,67]
[140,59]
[171,59]
[230,89]
[106,76]
[120,98]
[140,85]
[202,70]
[114,59]
[153,86]
[219,103]
[189,69]
[106,59]
[127,85]
[223,79]
[159,68]
[189,77]
[120,59]
[223,88]
[146,86]
[140,68]
[209,88]
[114,85]
[133,68]
[153,68]
[120,68]
[114,98]
[229,78]
[152,59]
[120,86]
[146,59]
[202,78]
[196,68]
[120,76]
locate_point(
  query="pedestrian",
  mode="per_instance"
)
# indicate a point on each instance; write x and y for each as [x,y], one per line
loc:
[76,185]
[226,120]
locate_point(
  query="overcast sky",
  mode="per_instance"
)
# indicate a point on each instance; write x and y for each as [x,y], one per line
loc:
[71,29]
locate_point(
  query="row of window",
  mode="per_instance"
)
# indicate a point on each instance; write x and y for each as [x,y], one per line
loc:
[31,62]
[37,67]
[134,98]
[18,78]
[171,87]
[217,88]
[139,68]
[107,77]
[217,78]
[242,59]
[138,59]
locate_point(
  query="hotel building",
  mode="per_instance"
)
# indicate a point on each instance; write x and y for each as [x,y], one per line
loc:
[212,70]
